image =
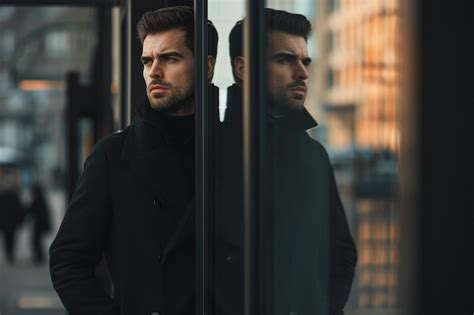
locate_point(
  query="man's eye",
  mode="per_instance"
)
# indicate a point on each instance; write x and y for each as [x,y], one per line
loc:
[171,59]
[146,62]
[284,61]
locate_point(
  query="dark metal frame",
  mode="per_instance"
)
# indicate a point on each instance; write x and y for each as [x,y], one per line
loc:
[257,181]
[125,64]
[257,189]
[203,153]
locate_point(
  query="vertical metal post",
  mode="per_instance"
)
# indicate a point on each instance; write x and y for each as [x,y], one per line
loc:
[128,63]
[125,47]
[257,253]
[72,144]
[202,158]
[103,73]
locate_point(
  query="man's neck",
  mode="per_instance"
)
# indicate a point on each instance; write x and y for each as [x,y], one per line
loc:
[185,110]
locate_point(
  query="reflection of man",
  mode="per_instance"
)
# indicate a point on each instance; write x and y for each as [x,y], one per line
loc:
[134,200]
[314,254]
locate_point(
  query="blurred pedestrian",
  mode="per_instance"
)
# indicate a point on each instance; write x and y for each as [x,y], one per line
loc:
[39,212]
[11,218]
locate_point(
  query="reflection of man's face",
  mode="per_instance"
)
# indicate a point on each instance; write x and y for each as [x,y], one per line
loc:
[288,64]
[168,70]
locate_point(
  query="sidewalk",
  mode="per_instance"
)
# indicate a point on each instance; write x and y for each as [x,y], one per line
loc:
[26,289]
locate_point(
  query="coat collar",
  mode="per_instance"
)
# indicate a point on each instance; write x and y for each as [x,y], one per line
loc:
[134,144]
[148,132]
[294,120]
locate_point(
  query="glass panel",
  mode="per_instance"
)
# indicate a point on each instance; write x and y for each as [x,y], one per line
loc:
[351,88]
[34,59]
[227,251]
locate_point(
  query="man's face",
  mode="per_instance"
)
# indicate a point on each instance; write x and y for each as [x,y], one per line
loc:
[168,70]
[288,74]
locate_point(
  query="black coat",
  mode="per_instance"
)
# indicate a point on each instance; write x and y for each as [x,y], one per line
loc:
[314,255]
[134,205]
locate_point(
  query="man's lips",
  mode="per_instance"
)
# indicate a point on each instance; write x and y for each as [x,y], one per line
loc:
[299,90]
[158,88]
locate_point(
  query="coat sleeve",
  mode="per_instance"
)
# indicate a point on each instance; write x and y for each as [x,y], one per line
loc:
[80,242]
[343,252]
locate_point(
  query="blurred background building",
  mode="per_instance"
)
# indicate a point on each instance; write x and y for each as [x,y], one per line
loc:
[359,94]
[35,58]
[39,46]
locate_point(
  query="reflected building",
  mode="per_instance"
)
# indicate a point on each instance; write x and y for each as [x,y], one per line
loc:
[360,38]
[358,93]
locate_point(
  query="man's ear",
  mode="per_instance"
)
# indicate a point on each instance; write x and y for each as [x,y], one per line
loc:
[211,64]
[239,68]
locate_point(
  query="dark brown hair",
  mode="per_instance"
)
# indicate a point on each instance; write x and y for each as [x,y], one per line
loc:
[276,20]
[165,19]
[177,17]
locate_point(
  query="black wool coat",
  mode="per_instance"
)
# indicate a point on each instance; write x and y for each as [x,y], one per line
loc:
[134,206]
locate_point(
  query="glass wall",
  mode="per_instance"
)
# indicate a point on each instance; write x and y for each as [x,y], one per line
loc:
[227,219]
[305,202]
[323,234]
[351,88]
[34,60]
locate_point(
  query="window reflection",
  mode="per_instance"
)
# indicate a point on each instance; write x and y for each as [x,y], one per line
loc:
[356,103]
[313,251]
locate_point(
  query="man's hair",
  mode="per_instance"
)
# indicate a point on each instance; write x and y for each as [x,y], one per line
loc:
[177,17]
[276,20]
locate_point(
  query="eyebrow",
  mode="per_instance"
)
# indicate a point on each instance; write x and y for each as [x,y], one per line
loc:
[306,60]
[163,55]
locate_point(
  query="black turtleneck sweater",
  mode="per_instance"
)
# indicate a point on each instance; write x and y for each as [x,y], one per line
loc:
[173,134]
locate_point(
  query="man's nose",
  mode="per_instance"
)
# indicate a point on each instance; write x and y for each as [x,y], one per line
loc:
[156,70]
[301,71]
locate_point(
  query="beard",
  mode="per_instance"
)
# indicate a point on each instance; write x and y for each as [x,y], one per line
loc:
[174,100]
[282,102]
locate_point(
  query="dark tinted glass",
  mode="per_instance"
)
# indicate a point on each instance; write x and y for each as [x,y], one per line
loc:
[227,219]
[335,182]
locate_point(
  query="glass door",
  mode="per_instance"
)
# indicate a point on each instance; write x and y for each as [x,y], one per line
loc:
[306,177]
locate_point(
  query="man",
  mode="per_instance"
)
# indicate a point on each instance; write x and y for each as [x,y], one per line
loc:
[134,201]
[313,253]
